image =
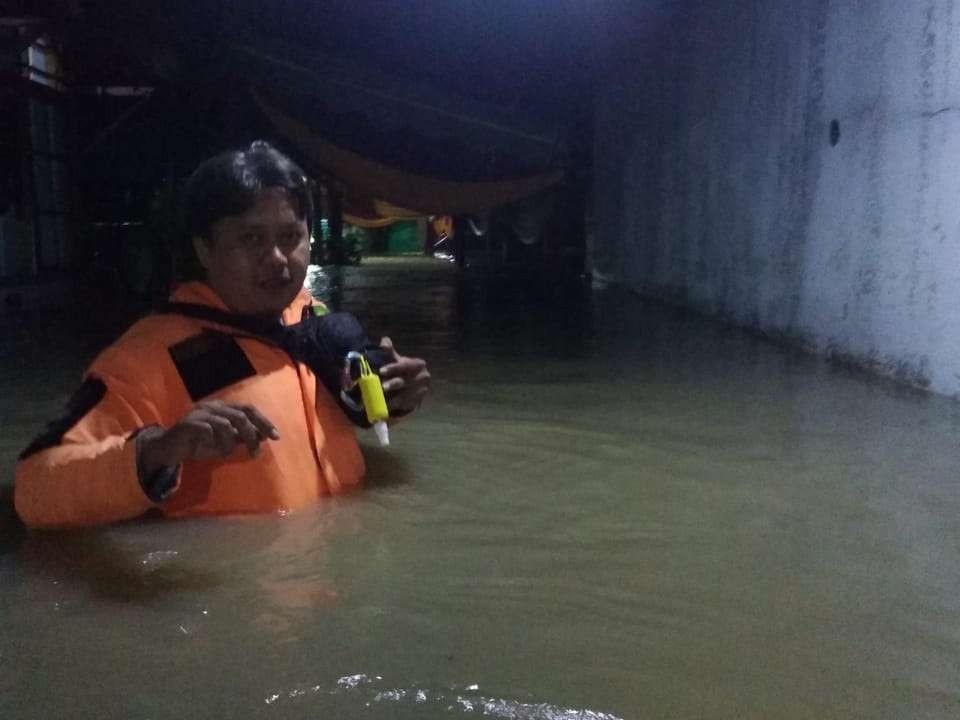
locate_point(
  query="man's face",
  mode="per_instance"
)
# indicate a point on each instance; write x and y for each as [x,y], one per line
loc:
[257,261]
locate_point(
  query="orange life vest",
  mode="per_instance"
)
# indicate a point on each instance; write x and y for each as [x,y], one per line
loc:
[88,474]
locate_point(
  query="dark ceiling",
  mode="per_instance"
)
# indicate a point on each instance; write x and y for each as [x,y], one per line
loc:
[538,56]
[493,88]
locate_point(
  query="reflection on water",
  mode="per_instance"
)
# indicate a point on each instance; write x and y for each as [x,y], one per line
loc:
[606,509]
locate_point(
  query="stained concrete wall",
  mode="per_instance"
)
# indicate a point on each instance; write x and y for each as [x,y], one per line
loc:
[718,186]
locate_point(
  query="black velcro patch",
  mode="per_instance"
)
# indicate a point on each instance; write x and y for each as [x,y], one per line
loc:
[83,401]
[209,362]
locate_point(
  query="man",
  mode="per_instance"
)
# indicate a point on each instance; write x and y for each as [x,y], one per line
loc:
[188,415]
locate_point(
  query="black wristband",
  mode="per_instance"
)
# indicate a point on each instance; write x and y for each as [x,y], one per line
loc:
[163,481]
[159,486]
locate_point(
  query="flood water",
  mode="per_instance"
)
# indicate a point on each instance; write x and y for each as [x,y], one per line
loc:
[607,509]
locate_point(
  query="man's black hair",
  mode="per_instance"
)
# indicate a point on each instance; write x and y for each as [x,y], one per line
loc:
[228,184]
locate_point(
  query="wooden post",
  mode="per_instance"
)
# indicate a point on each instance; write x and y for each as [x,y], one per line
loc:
[459,246]
[335,223]
[423,236]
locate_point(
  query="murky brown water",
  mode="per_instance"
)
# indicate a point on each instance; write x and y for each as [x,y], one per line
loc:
[606,510]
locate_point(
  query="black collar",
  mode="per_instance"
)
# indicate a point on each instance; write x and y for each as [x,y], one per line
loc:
[263,327]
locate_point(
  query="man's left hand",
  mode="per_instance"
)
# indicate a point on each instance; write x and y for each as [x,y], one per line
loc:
[406,380]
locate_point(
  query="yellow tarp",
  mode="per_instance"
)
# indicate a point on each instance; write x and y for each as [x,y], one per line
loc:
[390,194]
[369,223]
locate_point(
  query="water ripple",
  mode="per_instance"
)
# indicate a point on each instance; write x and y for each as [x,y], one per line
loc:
[369,690]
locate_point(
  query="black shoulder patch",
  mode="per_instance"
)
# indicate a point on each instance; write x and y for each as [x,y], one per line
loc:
[84,400]
[209,362]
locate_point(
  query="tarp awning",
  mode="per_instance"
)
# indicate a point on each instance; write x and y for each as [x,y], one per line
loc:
[377,193]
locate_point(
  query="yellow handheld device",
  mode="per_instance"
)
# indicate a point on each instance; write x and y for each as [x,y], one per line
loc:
[371,393]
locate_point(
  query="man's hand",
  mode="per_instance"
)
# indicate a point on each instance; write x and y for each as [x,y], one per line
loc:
[406,380]
[211,429]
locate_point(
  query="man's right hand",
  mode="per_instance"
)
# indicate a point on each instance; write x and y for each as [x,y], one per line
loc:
[211,429]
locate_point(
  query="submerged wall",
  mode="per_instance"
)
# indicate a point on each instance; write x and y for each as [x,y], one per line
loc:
[793,166]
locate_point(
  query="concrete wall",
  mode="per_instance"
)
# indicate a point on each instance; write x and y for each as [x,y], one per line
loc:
[717,185]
